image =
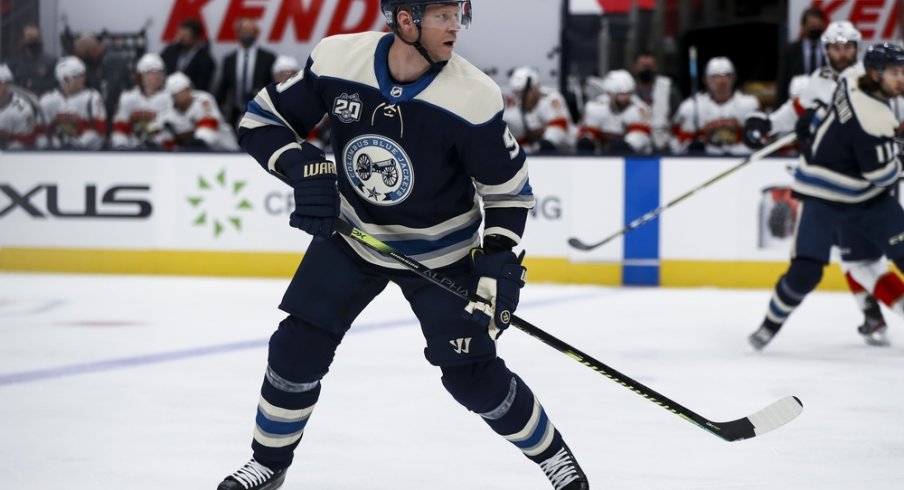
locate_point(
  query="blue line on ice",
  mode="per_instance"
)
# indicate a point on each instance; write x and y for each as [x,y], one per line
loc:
[178,355]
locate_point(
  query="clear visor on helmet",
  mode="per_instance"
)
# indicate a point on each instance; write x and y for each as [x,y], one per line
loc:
[448,16]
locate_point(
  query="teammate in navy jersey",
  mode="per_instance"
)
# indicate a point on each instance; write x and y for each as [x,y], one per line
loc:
[423,157]
[844,182]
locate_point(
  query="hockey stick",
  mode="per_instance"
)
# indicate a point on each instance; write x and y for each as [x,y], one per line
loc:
[692,61]
[765,151]
[769,418]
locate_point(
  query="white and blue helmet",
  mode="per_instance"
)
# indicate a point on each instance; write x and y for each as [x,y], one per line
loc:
[390,7]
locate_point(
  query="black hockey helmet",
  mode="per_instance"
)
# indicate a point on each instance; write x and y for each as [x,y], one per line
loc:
[390,7]
[881,55]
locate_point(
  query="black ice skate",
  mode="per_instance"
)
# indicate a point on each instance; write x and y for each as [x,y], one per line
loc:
[874,330]
[761,337]
[254,476]
[564,472]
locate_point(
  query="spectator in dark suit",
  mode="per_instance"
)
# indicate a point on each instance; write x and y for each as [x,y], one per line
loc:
[190,54]
[803,56]
[245,71]
[32,67]
[106,72]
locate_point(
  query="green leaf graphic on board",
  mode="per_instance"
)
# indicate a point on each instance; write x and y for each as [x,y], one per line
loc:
[219,189]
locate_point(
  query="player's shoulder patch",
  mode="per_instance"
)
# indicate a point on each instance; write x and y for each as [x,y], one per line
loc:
[348,57]
[826,72]
[465,91]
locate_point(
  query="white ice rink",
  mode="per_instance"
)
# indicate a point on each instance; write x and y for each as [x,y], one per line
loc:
[149,383]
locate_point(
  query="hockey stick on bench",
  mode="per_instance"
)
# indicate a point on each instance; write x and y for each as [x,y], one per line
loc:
[769,418]
[763,152]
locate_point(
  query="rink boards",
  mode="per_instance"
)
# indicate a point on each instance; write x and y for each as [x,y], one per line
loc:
[220,214]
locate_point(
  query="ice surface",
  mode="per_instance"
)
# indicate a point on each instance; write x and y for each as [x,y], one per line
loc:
[140,383]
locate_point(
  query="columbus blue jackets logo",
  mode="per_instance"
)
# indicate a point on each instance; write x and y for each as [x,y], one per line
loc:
[379,169]
[347,108]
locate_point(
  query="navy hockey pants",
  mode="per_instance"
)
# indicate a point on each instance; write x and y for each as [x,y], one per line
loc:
[863,231]
[333,285]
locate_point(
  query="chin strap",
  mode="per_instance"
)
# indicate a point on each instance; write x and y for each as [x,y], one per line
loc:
[416,44]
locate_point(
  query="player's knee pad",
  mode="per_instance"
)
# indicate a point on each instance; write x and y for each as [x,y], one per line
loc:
[866,272]
[480,386]
[301,352]
[804,275]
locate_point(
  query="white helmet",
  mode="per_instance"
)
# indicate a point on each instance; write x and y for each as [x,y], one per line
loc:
[69,67]
[285,63]
[619,82]
[524,77]
[720,65]
[150,62]
[841,31]
[177,82]
[5,74]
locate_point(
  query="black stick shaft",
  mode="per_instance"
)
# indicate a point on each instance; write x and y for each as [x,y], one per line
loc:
[449,285]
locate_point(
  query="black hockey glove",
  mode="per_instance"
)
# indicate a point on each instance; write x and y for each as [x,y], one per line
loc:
[316,197]
[546,146]
[756,130]
[696,147]
[802,127]
[586,146]
[495,285]
[619,146]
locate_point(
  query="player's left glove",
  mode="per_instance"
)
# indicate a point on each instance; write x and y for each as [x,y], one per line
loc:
[696,147]
[804,126]
[756,130]
[495,285]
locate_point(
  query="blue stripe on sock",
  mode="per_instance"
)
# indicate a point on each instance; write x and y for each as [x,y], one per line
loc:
[279,428]
[534,438]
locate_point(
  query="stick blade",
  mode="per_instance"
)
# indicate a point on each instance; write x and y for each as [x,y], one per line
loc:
[766,420]
[574,242]
[776,415]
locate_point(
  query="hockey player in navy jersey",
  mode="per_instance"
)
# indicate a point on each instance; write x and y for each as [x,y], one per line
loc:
[423,157]
[844,181]
[865,270]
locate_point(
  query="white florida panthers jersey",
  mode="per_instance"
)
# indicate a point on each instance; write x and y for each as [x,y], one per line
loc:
[78,121]
[719,126]
[17,124]
[603,123]
[202,121]
[816,93]
[133,124]
[548,120]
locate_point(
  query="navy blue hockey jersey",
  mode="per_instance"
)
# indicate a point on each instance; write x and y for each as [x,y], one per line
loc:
[853,156]
[412,157]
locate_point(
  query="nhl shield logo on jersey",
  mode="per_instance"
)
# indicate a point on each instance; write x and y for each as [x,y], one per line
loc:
[379,169]
[347,108]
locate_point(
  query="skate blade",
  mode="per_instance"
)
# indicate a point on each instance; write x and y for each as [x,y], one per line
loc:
[877,338]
